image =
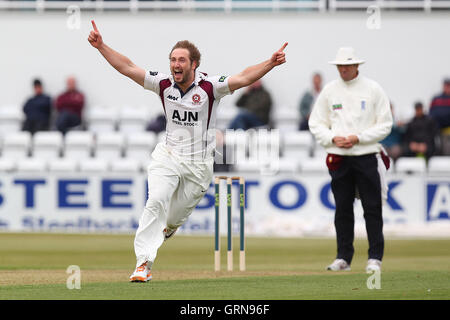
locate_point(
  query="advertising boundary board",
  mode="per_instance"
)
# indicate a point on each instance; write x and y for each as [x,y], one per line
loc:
[292,205]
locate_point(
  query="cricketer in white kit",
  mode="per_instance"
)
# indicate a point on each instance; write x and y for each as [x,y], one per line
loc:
[182,166]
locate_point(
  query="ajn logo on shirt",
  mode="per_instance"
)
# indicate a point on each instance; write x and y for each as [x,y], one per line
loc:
[337,106]
[187,116]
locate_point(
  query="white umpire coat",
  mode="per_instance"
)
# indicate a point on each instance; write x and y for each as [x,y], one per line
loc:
[357,107]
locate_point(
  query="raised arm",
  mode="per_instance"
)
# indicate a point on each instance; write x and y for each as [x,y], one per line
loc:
[253,73]
[121,63]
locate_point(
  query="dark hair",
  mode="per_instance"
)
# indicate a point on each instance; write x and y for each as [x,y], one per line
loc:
[194,53]
[418,105]
[37,82]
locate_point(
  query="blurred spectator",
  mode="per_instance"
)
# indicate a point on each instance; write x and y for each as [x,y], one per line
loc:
[69,106]
[158,124]
[255,105]
[308,99]
[440,112]
[440,106]
[420,134]
[37,110]
[394,141]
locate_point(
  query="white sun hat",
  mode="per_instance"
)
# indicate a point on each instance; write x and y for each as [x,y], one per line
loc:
[346,56]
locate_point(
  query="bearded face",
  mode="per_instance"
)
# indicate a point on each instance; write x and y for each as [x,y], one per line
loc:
[181,67]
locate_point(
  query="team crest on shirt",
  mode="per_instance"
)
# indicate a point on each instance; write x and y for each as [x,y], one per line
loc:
[196,99]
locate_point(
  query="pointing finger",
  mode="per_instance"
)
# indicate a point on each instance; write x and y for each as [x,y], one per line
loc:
[94,26]
[283,47]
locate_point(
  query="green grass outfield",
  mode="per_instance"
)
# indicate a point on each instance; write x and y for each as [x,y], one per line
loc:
[33,266]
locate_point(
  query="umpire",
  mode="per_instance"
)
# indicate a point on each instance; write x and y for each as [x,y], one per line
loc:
[350,116]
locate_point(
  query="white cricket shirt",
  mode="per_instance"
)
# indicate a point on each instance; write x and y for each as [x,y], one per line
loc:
[356,107]
[190,116]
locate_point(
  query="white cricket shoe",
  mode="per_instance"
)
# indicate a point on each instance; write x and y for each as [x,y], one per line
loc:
[373,265]
[338,265]
[169,233]
[141,274]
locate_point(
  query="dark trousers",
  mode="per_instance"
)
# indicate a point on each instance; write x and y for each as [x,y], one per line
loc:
[67,120]
[246,120]
[34,125]
[348,173]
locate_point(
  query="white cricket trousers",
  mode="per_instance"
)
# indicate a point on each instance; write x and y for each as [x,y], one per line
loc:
[175,187]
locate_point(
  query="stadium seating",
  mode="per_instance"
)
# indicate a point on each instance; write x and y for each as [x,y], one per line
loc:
[410,165]
[259,151]
[297,144]
[439,165]
[269,167]
[225,114]
[132,119]
[16,145]
[78,145]
[314,165]
[11,118]
[318,151]
[109,145]
[286,119]
[92,165]
[32,165]
[101,119]
[252,166]
[7,165]
[139,146]
[47,144]
[65,165]
[126,166]
[286,165]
